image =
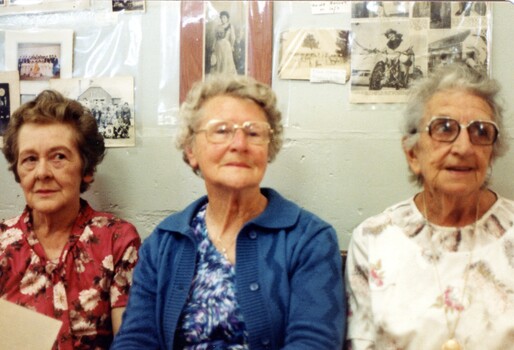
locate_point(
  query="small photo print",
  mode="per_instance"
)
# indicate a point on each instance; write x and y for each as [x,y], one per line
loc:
[39,61]
[111,101]
[128,5]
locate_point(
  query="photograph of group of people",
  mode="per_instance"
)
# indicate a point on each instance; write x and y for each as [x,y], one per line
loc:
[40,65]
[110,100]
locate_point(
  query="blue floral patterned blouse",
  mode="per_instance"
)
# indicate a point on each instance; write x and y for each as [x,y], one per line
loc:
[211,319]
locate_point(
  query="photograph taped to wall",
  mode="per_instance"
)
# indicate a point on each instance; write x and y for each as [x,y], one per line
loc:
[9,98]
[39,56]
[258,49]
[390,51]
[128,5]
[225,37]
[302,50]
[111,101]
[10,7]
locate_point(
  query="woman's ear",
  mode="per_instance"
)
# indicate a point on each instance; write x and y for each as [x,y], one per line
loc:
[411,153]
[191,156]
[88,179]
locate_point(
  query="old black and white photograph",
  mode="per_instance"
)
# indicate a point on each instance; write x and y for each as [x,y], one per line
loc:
[389,53]
[225,37]
[386,58]
[128,5]
[111,101]
[302,50]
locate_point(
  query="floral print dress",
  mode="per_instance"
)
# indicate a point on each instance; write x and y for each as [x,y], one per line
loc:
[90,278]
[404,278]
[211,319]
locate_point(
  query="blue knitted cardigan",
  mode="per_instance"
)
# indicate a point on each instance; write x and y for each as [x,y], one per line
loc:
[288,279]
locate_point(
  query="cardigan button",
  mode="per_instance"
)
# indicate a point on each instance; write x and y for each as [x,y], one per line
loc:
[254,287]
[253,235]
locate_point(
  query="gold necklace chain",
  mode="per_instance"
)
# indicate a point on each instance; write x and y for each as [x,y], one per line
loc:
[452,343]
[224,250]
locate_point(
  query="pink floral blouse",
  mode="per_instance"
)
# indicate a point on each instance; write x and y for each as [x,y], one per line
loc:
[92,276]
[410,284]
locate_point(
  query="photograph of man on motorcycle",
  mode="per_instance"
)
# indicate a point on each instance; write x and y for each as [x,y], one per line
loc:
[394,67]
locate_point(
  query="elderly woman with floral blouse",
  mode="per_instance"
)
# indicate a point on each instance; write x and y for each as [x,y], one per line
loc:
[242,267]
[435,271]
[60,257]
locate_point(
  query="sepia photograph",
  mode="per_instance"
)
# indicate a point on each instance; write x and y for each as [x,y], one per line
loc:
[201,47]
[225,37]
[302,50]
[9,98]
[111,101]
[39,56]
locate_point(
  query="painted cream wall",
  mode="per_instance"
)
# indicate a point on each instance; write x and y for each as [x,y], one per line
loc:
[341,161]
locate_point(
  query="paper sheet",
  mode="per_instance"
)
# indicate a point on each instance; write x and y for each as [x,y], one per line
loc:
[21,328]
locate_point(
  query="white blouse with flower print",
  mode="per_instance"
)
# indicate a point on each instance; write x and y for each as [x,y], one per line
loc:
[407,287]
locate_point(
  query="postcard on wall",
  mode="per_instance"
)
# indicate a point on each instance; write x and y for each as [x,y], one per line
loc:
[39,56]
[9,98]
[303,51]
[395,43]
[111,101]
[22,328]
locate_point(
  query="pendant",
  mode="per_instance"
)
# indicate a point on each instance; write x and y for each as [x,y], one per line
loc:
[451,344]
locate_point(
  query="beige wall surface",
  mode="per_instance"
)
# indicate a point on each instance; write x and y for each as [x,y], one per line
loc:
[341,161]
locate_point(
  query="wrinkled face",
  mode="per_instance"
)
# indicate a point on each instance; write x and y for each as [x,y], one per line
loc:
[236,164]
[453,168]
[50,167]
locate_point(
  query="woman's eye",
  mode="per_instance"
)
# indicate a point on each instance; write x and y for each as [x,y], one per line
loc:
[58,157]
[222,130]
[29,159]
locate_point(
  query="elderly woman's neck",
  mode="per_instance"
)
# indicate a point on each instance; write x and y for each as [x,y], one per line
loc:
[226,209]
[454,211]
[56,223]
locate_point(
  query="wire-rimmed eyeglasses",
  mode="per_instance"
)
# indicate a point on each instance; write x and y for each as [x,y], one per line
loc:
[446,129]
[223,131]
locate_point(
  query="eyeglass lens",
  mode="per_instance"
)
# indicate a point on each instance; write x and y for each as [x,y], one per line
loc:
[447,130]
[223,131]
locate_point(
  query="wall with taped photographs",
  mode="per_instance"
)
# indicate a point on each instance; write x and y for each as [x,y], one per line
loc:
[342,156]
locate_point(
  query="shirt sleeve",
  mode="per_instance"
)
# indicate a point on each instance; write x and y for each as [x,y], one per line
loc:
[360,318]
[138,329]
[317,312]
[125,255]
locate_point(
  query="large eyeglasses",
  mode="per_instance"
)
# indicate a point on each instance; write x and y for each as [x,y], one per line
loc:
[222,131]
[445,129]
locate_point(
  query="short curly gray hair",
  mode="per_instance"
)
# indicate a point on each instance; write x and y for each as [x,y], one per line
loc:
[237,86]
[456,76]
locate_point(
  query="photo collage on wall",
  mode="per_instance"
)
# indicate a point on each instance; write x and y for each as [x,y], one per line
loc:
[43,59]
[396,42]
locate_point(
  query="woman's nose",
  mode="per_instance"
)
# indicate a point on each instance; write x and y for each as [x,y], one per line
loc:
[43,170]
[463,143]
[239,140]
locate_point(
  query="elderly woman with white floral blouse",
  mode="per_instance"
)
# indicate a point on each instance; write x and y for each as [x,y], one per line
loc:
[60,257]
[435,271]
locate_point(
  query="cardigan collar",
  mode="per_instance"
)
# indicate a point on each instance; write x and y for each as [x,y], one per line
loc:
[279,213]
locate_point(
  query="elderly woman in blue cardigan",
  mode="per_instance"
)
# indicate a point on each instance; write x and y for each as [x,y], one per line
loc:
[242,267]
